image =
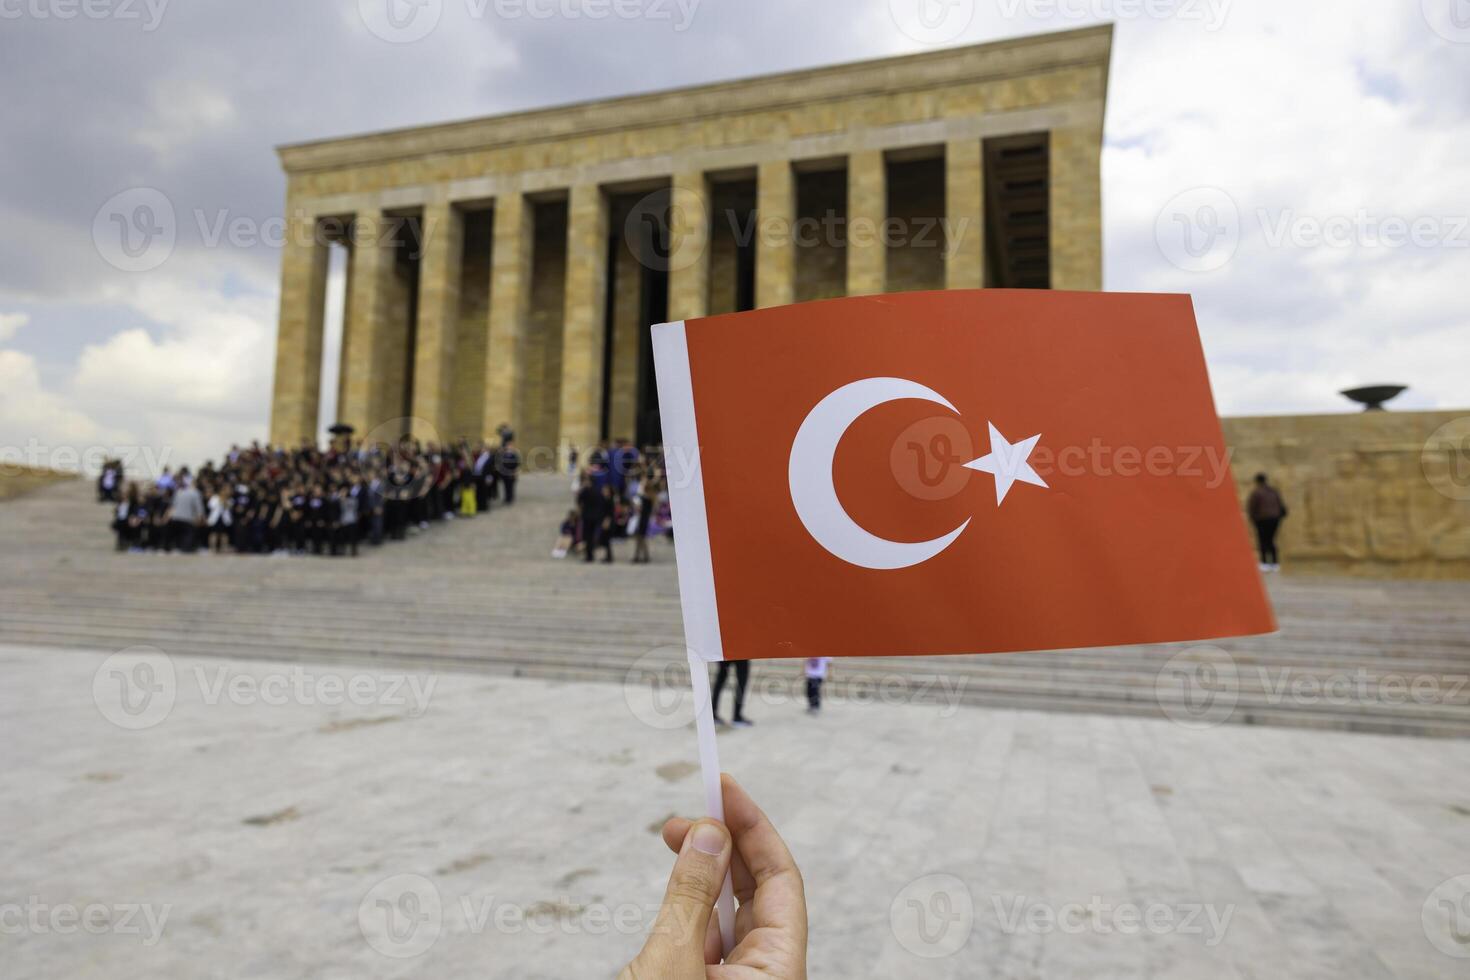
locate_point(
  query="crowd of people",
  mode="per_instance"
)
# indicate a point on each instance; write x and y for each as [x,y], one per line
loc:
[620,493]
[308,500]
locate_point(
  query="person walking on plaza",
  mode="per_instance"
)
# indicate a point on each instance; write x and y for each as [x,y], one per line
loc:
[742,679]
[816,673]
[1266,510]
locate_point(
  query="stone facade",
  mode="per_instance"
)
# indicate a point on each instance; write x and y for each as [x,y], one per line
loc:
[506,269]
[1377,494]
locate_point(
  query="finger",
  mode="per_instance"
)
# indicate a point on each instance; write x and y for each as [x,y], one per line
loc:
[743,884]
[673,833]
[780,896]
[680,932]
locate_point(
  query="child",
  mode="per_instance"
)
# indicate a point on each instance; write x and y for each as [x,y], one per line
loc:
[218,521]
[816,672]
[566,538]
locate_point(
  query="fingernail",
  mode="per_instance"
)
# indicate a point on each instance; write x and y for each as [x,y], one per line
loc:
[708,839]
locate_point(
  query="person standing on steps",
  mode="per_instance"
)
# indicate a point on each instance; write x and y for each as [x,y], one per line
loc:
[510,468]
[1266,510]
[742,679]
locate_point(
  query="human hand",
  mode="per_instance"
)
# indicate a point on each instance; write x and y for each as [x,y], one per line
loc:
[770,926]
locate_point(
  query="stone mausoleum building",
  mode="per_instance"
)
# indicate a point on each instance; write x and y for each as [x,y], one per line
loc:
[507,269]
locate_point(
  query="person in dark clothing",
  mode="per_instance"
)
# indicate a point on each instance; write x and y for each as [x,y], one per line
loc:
[1266,510]
[742,679]
[316,518]
[127,520]
[596,514]
[646,497]
[510,467]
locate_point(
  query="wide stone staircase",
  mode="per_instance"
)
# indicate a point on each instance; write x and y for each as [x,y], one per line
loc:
[485,594]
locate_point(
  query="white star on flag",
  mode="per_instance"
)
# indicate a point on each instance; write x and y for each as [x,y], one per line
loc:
[1006,461]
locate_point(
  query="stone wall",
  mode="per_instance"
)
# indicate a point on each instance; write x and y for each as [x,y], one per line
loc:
[1374,494]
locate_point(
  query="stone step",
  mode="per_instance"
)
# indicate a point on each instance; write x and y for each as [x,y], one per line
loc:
[484,595]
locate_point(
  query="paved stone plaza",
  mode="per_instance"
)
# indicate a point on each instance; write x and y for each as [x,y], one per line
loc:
[509,825]
[260,832]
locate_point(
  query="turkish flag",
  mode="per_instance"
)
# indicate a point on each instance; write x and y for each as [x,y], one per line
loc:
[966,471]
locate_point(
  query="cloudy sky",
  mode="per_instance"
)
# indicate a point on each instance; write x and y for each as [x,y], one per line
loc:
[1299,167]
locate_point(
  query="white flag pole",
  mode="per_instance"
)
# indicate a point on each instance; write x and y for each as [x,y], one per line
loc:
[714,798]
[696,570]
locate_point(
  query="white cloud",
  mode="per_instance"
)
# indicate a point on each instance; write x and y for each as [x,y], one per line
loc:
[10,323]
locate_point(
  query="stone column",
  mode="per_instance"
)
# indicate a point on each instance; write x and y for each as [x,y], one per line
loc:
[442,239]
[510,302]
[775,244]
[1076,207]
[867,208]
[964,212]
[363,333]
[689,220]
[296,398]
[584,319]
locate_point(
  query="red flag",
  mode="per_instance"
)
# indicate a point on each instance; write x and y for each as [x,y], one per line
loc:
[950,472]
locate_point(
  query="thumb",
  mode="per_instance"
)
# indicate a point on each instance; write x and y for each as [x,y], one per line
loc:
[699,872]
